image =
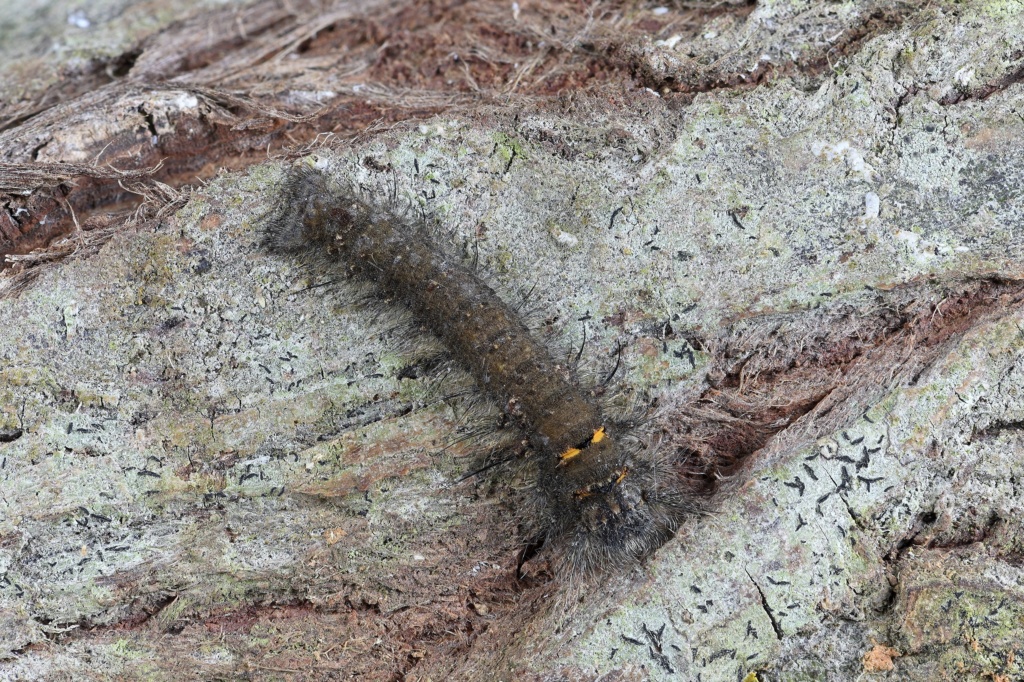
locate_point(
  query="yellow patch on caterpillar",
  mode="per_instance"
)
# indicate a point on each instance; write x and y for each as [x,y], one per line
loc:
[571,453]
[568,455]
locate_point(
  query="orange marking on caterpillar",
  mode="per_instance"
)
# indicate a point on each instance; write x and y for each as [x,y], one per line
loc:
[568,455]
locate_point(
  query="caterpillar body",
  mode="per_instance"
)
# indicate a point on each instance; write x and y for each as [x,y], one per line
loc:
[606,500]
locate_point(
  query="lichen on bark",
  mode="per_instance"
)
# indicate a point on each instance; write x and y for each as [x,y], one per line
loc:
[212,465]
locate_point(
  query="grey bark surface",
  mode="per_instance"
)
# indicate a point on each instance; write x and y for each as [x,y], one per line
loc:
[211,466]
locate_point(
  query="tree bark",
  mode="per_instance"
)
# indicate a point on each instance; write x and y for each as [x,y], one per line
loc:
[794,224]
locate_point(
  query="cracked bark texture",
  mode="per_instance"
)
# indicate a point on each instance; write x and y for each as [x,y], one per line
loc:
[800,221]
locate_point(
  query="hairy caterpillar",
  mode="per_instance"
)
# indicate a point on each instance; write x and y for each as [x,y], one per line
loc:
[606,501]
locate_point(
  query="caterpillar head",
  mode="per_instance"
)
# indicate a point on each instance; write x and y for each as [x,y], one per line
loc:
[612,503]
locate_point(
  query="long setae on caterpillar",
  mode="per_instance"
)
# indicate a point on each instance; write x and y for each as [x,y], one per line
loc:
[607,500]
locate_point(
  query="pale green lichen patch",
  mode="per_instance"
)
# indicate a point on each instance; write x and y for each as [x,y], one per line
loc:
[966,607]
[837,513]
[204,409]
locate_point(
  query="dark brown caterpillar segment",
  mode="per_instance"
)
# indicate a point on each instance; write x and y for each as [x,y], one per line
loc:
[604,502]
